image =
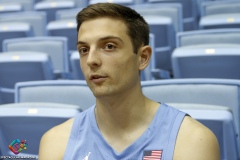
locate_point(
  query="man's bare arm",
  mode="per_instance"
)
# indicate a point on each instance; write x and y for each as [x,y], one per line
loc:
[54,142]
[196,142]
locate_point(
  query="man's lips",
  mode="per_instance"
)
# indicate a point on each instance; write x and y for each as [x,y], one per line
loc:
[96,76]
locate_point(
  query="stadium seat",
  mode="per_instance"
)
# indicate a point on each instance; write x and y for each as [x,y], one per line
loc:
[171,10]
[207,61]
[9,30]
[67,13]
[50,7]
[22,66]
[220,14]
[163,30]
[9,8]
[208,36]
[29,121]
[65,28]
[74,92]
[37,20]
[190,12]
[223,92]
[27,5]
[55,47]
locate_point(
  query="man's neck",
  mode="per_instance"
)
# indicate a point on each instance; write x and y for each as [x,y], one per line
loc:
[124,112]
[126,117]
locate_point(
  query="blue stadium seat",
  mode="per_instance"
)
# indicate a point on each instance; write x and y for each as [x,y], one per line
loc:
[9,8]
[75,66]
[163,30]
[208,36]
[37,20]
[207,61]
[27,5]
[29,121]
[67,13]
[171,10]
[55,47]
[9,30]
[65,28]
[223,92]
[190,12]
[74,92]
[50,7]
[22,66]
[220,14]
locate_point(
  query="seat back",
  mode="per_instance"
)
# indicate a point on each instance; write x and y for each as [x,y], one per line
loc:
[171,10]
[22,66]
[37,20]
[207,61]
[65,28]
[163,30]
[210,36]
[67,13]
[55,47]
[27,5]
[189,12]
[219,7]
[50,7]
[9,30]
[9,8]
[29,121]
[57,91]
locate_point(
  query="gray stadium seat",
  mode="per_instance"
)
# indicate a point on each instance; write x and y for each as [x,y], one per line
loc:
[50,7]
[37,20]
[55,47]
[74,92]
[207,61]
[9,8]
[29,121]
[9,30]
[220,14]
[65,28]
[189,12]
[27,5]
[208,36]
[22,66]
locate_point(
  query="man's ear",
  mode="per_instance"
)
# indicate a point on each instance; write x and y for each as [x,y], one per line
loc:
[144,54]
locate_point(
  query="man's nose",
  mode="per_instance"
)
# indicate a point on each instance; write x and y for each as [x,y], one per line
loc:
[93,59]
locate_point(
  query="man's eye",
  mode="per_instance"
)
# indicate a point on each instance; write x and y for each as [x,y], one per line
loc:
[83,50]
[110,47]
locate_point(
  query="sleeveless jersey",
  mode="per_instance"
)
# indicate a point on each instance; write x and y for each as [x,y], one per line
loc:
[157,142]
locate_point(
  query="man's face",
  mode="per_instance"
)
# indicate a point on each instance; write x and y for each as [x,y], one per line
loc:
[106,57]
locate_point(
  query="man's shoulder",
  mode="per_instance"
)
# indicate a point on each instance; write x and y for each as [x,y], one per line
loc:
[195,141]
[56,136]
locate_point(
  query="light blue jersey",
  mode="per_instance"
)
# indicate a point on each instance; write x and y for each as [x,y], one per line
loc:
[157,142]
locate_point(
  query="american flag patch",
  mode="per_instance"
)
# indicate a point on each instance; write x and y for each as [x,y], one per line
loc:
[152,155]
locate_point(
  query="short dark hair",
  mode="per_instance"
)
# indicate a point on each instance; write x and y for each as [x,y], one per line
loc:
[137,27]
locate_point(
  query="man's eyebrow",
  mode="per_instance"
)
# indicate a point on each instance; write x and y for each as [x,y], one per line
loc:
[102,39]
[110,37]
[81,42]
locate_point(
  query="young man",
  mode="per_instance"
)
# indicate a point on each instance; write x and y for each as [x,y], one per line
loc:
[124,124]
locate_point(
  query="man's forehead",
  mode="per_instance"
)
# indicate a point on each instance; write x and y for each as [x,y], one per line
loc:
[101,28]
